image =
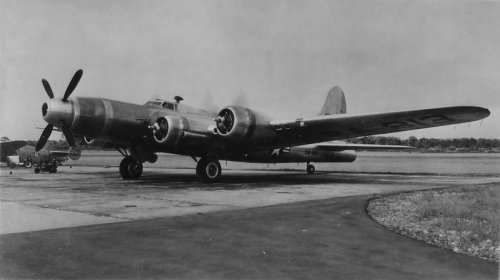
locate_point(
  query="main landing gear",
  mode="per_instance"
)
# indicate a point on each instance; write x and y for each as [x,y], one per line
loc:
[208,170]
[48,166]
[310,169]
[130,168]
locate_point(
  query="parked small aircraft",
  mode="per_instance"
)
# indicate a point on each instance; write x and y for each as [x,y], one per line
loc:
[17,153]
[235,133]
[45,160]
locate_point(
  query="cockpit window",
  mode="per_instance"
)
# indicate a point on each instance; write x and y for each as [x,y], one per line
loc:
[168,105]
[155,103]
[158,103]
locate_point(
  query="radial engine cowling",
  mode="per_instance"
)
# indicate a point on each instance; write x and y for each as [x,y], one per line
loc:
[241,125]
[235,123]
[168,130]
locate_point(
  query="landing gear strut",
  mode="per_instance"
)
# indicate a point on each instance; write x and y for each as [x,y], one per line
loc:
[208,170]
[310,169]
[130,168]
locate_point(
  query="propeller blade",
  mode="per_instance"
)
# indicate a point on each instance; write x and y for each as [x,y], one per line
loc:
[67,134]
[44,137]
[72,85]
[48,89]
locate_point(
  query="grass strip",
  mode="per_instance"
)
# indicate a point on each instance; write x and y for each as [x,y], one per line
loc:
[463,219]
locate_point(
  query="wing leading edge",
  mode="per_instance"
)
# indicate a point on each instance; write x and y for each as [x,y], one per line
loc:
[336,127]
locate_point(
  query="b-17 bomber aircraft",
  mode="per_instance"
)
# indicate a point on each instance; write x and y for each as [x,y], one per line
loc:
[235,133]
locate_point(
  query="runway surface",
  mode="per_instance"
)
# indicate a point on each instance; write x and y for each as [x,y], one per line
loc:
[254,224]
[85,195]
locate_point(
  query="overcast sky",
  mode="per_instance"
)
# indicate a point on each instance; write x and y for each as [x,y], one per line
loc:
[283,56]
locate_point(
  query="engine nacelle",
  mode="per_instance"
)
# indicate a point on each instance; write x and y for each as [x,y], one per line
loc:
[235,123]
[168,130]
[242,125]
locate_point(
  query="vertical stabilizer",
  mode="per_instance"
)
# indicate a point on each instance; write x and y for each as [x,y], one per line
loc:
[335,103]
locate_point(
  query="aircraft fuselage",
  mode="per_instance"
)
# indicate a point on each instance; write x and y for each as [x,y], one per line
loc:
[131,125]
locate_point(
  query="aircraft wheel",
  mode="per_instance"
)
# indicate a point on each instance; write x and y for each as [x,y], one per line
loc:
[37,170]
[130,168]
[28,164]
[310,169]
[208,170]
[13,165]
[53,169]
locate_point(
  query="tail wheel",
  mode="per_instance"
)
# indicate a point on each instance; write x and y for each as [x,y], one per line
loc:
[130,168]
[310,169]
[208,170]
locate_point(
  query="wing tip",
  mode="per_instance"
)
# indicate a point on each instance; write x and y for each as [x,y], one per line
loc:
[481,112]
[476,112]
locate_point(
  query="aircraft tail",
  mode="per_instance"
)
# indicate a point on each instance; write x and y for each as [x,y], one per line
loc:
[335,102]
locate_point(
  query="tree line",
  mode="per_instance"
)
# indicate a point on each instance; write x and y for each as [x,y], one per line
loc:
[433,144]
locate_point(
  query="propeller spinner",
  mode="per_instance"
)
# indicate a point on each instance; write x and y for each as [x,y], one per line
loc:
[58,113]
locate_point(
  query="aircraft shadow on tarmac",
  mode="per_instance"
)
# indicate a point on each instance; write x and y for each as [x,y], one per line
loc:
[233,181]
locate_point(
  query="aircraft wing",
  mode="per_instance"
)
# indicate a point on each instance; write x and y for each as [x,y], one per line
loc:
[12,145]
[338,146]
[9,148]
[336,127]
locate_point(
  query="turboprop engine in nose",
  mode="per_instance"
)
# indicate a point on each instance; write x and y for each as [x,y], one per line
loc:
[55,111]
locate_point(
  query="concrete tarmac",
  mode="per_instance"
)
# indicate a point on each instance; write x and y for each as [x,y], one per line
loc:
[167,225]
[85,195]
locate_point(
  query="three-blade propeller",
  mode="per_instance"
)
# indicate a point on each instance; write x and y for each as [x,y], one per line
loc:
[63,125]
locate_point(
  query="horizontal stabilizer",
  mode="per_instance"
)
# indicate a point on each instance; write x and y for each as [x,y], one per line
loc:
[341,146]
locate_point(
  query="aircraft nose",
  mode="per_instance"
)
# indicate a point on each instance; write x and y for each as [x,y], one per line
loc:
[45,108]
[56,111]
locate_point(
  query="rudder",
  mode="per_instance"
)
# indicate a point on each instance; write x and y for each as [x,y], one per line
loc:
[334,103]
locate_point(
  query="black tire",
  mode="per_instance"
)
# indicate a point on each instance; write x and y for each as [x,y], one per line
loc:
[310,169]
[13,165]
[53,169]
[37,170]
[208,170]
[28,164]
[130,168]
